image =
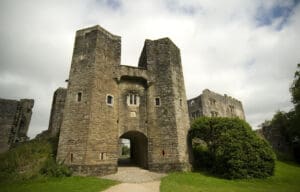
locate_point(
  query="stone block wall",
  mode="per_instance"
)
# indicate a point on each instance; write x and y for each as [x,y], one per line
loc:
[57,109]
[275,137]
[107,101]
[15,118]
[211,104]
[168,123]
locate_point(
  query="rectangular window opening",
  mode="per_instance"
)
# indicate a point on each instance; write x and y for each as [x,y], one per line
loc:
[133,99]
[102,156]
[79,95]
[71,157]
[157,101]
[214,114]
[109,99]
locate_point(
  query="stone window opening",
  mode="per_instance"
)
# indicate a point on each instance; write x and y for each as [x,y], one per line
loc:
[79,96]
[109,100]
[231,108]
[214,114]
[157,101]
[163,152]
[180,102]
[212,101]
[192,102]
[71,157]
[195,114]
[102,156]
[133,99]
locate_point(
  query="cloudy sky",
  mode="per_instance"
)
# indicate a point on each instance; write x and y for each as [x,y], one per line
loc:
[245,48]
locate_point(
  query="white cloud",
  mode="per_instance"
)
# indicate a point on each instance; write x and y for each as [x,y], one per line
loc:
[223,48]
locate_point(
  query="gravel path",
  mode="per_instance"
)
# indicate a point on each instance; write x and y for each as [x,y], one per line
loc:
[135,179]
[135,187]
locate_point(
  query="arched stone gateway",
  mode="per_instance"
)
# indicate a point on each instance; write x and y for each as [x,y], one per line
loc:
[106,101]
[138,149]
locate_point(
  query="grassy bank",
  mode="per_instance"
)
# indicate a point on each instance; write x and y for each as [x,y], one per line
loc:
[64,184]
[286,178]
[31,167]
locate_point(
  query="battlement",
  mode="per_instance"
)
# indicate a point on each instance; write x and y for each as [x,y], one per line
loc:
[217,95]
[83,32]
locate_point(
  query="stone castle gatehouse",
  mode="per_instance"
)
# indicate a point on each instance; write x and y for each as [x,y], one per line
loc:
[107,101]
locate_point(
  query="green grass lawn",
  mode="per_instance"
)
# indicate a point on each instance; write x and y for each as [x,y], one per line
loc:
[286,179]
[65,184]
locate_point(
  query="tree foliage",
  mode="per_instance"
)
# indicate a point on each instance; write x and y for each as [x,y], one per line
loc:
[289,122]
[125,150]
[232,149]
[295,88]
[294,129]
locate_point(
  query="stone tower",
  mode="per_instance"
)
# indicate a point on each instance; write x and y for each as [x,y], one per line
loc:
[107,101]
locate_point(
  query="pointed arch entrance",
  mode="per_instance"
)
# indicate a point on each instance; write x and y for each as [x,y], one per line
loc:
[138,153]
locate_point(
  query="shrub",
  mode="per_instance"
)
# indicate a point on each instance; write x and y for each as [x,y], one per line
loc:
[53,169]
[233,149]
[202,156]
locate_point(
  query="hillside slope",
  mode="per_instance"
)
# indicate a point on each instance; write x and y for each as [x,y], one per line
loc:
[27,159]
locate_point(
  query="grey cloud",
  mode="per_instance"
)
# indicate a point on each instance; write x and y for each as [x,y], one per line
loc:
[221,47]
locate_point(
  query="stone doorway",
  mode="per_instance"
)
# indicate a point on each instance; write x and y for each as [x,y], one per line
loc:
[138,149]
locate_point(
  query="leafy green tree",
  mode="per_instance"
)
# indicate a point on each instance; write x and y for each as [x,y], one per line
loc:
[125,150]
[232,149]
[293,131]
[289,122]
[295,88]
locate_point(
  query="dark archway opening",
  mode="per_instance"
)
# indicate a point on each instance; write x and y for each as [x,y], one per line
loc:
[137,144]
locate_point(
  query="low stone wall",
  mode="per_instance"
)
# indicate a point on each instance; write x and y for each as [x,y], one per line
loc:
[169,167]
[94,170]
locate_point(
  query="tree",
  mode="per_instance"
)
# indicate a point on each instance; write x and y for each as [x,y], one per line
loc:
[289,122]
[295,88]
[294,130]
[232,150]
[125,150]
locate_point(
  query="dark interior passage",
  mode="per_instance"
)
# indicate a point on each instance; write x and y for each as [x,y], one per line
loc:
[138,150]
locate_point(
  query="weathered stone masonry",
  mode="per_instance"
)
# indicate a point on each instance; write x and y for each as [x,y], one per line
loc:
[56,115]
[57,110]
[211,104]
[15,117]
[107,101]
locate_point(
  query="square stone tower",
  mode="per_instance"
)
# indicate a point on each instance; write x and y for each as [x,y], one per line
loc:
[107,101]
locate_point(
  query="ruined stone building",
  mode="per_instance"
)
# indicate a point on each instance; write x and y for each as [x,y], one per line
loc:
[56,114]
[15,117]
[107,101]
[57,110]
[275,137]
[211,104]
